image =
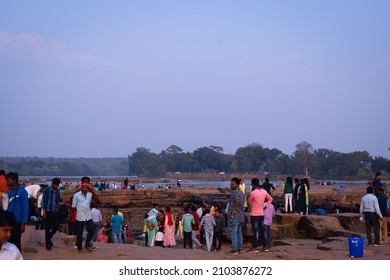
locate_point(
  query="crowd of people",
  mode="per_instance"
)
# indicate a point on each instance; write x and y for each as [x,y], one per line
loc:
[199,226]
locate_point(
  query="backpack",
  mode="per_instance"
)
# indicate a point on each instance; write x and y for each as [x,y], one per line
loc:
[150,225]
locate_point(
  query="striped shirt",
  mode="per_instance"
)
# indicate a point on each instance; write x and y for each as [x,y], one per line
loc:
[51,200]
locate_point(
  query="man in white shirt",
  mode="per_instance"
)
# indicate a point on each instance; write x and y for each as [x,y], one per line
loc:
[33,191]
[369,208]
[82,201]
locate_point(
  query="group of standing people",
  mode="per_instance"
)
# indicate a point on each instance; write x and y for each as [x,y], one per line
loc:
[374,212]
[159,227]
[296,195]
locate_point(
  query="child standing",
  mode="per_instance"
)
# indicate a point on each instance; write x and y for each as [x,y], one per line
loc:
[268,214]
[8,251]
[146,230]
[187,221]
[160,238]
[208,222]
[218,230]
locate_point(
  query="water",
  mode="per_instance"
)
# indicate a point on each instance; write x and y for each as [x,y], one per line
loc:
[184,183]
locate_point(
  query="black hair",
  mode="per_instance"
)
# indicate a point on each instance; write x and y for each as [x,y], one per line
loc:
[86,179]
[266,179]
[207,211]
[7,219]
[370,190]
[289,181]
[236,180]
[296,180]
[168,208]
[306,182]
[378,174]
[56,181]
[2,172]
[12,176]
[255,182]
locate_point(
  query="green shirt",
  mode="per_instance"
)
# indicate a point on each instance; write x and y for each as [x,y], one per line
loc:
[187,220]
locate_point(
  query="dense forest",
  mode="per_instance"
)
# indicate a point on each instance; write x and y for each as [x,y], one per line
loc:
[254,158]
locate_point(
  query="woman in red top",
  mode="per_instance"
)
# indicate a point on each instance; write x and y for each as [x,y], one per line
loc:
[169,228]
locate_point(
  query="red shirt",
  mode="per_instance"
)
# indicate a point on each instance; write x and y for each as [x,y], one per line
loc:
[196,225]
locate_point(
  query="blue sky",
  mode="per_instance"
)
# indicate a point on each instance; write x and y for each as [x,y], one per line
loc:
[99,79]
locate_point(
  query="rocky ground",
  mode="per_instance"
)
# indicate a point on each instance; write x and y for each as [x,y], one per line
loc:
[334,248]
[295,237]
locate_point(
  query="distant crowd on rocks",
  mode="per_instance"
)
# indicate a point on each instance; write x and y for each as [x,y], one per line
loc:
[202,226]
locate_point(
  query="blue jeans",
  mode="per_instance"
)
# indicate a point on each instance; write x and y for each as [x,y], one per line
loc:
[116,237]
[95,231]
[257,223]
[267,236]
[235,228]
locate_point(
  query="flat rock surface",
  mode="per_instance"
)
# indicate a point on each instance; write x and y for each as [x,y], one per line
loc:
[335,248]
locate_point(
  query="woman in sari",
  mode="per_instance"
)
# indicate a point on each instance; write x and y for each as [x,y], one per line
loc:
[151,231]
[169,228]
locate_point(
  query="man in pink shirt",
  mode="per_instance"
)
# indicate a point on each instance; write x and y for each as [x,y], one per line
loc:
[256,200]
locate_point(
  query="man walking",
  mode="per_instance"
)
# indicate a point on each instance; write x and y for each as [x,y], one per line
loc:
[82,202]
[18,206]
[50,206]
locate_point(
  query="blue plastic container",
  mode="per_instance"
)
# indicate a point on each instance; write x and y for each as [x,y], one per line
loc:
[356,247]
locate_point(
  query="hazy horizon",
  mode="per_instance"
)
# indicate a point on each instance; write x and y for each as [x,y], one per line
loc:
[94,79]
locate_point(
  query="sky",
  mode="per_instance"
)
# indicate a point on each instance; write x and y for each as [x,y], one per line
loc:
[102,78]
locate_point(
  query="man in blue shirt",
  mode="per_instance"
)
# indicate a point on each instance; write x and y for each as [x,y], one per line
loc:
[116,226]
[18,206]
[50,206]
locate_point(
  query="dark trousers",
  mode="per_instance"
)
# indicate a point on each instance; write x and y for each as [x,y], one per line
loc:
[16,236]
[79,233]
[146,239]
[217,240]
[71,228]
[372,221]
[51,226]
[187,239]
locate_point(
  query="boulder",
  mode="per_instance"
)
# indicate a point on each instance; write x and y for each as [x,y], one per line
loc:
[318,227]
[351,222]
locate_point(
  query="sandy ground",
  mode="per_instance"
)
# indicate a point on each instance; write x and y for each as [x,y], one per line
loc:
[292,249]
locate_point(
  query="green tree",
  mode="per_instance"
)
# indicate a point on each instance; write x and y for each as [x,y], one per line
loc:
[304,156]
[146,164]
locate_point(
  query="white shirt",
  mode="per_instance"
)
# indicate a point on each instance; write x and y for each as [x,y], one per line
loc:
[96,215]
[10,252]
[83,205]
[370,203]
[33,190]
[199,212]
[159,236]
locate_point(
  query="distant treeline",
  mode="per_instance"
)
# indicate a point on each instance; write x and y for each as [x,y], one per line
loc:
[37,166]
[254,158]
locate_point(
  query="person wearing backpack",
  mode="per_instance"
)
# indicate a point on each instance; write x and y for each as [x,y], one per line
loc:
[382,201]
